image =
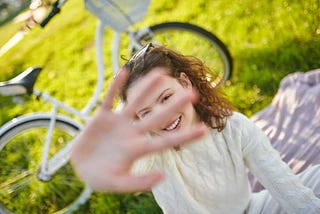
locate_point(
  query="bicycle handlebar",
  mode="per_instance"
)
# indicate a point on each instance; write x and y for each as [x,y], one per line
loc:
[54,11]
[56,7]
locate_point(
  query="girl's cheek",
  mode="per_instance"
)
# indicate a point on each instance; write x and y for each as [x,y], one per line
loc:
[154,133]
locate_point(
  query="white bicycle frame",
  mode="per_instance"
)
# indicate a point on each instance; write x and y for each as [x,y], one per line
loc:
[49,167]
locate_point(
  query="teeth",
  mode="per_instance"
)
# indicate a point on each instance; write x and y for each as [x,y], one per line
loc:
[174,125]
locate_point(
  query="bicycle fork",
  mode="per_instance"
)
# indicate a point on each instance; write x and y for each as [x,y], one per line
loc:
[48,165]
[44,172]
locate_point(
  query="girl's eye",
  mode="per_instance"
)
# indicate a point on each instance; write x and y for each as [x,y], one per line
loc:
[143,114]
[165,98]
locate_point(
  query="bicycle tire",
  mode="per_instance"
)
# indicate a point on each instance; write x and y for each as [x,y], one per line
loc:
[20,153]
[205,46]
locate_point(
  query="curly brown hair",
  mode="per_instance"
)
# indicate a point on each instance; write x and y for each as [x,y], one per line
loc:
[212,107]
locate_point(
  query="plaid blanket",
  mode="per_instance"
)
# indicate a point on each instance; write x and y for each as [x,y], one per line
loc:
[292,121]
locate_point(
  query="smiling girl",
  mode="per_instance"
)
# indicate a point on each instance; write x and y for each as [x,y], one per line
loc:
[210,175]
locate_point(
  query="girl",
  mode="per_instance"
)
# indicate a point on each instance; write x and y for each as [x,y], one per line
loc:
[209,175]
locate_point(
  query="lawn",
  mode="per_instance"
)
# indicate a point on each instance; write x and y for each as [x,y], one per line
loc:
[267,40]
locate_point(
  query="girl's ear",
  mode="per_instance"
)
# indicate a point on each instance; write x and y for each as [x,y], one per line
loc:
[184,80]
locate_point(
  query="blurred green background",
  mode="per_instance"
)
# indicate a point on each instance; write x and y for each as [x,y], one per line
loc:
[267,40]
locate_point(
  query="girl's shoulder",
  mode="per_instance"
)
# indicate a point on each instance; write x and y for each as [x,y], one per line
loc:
[240,123]
[238,119]
[238,116]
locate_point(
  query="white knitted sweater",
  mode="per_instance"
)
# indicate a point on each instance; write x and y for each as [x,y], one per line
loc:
[210,175]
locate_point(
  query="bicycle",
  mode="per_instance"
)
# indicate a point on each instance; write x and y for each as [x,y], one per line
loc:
[43,141]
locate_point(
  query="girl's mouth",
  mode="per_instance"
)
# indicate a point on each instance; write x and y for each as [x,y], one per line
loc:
[173,125]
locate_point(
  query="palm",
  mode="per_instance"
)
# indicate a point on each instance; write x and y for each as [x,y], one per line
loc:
[110,143]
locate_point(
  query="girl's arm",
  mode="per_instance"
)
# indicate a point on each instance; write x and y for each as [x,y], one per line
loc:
[275,175]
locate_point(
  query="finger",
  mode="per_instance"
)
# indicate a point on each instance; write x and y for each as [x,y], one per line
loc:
[146,87]
[115,88]
[136,183]
[174,139]
[161,117]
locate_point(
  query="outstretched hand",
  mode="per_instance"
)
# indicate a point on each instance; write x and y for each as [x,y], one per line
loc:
[107,147]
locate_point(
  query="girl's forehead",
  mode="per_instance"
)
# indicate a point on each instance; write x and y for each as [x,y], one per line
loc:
[154,73]
[150,90]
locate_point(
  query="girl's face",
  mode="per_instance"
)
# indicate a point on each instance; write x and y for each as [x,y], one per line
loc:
[168,90]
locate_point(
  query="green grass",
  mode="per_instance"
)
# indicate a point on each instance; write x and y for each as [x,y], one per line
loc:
[267,39]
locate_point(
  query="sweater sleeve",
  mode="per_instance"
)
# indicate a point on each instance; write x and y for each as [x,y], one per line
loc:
[275,175]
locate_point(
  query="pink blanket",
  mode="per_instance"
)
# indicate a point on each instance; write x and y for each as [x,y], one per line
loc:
[292,121]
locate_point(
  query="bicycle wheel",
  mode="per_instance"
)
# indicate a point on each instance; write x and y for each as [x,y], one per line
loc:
[190,39]
[21,145]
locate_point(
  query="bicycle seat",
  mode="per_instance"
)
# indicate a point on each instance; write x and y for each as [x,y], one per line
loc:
[21,84]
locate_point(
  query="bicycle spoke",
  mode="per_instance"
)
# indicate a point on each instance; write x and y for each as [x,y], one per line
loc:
[16,178]
[21,191]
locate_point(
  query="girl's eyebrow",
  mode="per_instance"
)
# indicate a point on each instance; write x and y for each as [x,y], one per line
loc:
[157,100]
